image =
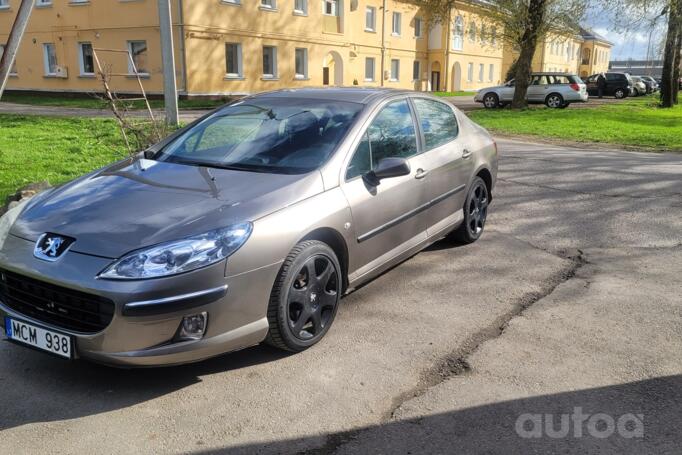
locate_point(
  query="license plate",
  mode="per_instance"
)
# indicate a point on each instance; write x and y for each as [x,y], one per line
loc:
[38,337]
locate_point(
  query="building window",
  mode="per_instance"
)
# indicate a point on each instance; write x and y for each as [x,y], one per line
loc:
[4,4]
[416,70]
[301,63]
[301,6]
[417,27]
[470,72]
[138,51]
[484,34]
[85,59]
[370,18]
[493,36]
[458,34]
[369,69]
[268,4]
[13,70]
[43,2]
[50,59]
[330,8]
[232,2]
[269,62]
[395,69]
[233,60]
[472,31]
[481,72]
[397,18]
[491,72]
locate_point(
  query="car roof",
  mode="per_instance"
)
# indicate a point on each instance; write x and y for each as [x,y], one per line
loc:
[350,94]
[552,73]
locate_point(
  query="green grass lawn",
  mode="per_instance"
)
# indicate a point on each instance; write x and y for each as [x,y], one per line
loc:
[449,94]
[94,103]
[632,122]
[33,149]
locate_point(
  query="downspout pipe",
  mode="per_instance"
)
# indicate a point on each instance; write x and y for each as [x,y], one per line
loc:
[383,40]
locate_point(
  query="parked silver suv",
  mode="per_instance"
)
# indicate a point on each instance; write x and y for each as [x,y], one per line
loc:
[556,90]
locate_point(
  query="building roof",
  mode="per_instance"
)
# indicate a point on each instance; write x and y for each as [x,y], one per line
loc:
[592,35]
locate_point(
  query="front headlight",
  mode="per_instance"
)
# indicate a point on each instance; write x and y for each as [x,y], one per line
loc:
[179,256]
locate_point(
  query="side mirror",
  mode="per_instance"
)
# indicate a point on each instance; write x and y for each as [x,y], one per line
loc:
[387,168]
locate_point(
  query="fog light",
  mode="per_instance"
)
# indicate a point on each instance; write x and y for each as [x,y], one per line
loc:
[193,327]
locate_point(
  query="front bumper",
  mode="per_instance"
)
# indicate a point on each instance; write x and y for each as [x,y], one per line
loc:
[144,336]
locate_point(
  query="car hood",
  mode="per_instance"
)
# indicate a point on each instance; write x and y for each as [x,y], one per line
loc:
[127,206]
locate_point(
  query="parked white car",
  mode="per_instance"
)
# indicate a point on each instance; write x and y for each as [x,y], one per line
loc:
[555,90]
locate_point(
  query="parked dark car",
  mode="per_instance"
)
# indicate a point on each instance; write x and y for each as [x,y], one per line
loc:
[617,84]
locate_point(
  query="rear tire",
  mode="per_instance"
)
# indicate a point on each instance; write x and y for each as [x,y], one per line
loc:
[305,297]
[475,213]
[554,101]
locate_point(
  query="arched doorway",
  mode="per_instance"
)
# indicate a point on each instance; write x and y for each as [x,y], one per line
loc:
[456,77]
[435,76]
[332,69]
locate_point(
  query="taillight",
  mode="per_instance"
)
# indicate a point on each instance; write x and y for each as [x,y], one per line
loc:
[575,87]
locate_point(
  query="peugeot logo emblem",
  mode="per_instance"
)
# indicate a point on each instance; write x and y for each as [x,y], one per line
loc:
[50,247]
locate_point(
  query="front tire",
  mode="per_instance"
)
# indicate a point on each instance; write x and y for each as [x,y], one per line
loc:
[305,297]
[619,93]
[491,101]
[475,213]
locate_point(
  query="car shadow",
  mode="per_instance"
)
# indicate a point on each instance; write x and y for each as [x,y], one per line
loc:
[46,388]
[630,418]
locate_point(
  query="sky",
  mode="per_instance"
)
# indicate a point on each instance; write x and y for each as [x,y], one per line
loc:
[631,44]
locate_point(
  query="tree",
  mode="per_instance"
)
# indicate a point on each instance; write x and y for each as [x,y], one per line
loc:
[521,24]
[671,55]
[650,12]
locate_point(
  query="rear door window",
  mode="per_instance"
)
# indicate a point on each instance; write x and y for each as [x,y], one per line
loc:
[438,122]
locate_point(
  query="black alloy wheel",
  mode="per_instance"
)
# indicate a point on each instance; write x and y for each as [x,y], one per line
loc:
[475,213]
[305,297]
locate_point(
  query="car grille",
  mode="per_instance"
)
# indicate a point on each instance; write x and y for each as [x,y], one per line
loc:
[55,305]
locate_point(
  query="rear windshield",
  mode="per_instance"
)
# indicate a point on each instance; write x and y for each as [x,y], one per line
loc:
[277,135]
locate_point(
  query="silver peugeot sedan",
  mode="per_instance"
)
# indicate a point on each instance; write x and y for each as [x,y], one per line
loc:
[555,90]
[247,225]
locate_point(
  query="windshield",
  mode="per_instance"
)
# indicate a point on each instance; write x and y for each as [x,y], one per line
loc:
[278,135]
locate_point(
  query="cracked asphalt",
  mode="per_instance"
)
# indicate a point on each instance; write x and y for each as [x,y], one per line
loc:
[570,300]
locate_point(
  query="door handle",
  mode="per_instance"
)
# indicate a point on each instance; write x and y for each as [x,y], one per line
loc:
[421,173]
[466,154]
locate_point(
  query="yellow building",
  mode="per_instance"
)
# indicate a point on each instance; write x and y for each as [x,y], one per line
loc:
[584,54]
[243,46]
[468,55]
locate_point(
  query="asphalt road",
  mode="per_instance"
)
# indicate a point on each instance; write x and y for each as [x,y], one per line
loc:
[570,300]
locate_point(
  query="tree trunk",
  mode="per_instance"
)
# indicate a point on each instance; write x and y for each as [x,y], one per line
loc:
[676,63]
[536,16]
[669,85]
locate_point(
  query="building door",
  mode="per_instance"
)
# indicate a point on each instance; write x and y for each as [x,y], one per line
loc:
[435,81]
[325,75]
